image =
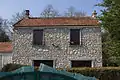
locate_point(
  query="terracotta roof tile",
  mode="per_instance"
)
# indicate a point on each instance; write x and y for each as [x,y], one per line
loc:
[57,21]
[5,47]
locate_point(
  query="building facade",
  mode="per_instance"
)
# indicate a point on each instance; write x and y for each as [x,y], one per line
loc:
[59,42]
[5,53]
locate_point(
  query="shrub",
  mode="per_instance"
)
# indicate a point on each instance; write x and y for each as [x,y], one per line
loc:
[103,73]
[11,67]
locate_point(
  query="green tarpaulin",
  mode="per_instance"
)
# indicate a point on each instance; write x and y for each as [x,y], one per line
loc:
[44,73]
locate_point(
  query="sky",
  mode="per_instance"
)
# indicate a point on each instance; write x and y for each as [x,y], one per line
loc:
[10,7]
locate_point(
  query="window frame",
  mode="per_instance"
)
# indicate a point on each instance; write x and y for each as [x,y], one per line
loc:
[80,37]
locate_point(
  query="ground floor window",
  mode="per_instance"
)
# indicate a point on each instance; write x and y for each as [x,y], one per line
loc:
[46,62]
[81,63]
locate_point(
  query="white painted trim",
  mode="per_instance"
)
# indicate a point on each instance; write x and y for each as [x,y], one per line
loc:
[69,37]
[2,61]
[43,41]
[92,64]
[80,37]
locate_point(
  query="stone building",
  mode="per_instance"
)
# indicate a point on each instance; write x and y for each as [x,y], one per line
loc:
[5,53]
[60,42]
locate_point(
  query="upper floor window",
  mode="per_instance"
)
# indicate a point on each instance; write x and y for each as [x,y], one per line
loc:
[74,36]
[38,37]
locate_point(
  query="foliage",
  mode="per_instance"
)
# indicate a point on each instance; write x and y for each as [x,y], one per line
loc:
[110,18]
[104,73]
[3,26]
[4,37]
[110,50]
[11,67]
[16,17]
[117,1]
[110,21]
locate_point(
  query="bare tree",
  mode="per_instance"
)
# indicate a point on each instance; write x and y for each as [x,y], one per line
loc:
[15,18]
[80,14]
[18,16]
[3,30]
[7,25]
[4,24]
[71,12]
[49,11]
[1,22]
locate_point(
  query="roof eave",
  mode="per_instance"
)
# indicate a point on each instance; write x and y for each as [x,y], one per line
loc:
[52,25]
[17,22]
[5,51]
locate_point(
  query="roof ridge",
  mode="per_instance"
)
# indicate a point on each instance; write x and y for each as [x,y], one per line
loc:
[61,17]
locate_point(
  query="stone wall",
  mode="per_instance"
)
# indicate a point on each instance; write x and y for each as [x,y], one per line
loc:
[24,52]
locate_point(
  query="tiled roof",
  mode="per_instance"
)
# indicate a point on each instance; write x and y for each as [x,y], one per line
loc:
[6,47]
[57,21]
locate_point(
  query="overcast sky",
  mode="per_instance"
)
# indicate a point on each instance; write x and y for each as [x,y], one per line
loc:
[10,7]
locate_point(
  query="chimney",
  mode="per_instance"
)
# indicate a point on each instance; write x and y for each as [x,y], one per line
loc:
[94,14]
[27,13]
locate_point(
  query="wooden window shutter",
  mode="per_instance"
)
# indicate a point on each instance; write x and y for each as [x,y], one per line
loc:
[74,36]
[38,37]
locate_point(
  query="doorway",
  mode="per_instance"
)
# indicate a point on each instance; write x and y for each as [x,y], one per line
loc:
[81,63]
[46,62]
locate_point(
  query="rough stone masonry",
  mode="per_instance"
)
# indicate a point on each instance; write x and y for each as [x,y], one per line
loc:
[24,52]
